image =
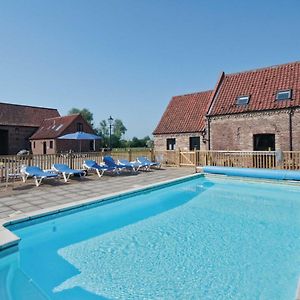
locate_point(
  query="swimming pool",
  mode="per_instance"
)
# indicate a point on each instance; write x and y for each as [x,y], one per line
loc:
[204,238]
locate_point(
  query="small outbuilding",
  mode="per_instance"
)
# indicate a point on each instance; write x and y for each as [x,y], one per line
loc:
[45,140]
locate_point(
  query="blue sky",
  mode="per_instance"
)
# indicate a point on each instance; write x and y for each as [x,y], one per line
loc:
[128,58]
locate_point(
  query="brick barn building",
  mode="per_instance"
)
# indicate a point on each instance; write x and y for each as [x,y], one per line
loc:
[253,110]
[45,139]
[256,110]
[18,123]
[182,125]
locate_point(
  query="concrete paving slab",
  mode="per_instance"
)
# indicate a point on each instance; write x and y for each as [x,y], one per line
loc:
[29,198]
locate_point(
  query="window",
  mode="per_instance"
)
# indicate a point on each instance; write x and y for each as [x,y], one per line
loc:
[17,130]
[194,143]
[92,146]
[284,95]
[264,142]
[51,145]
[79,127]
[59,127]
[242,100]
[44,147]
[171,144]
[33,144]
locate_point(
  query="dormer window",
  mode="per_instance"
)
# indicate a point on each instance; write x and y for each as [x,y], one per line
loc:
[242,100]
[284,95]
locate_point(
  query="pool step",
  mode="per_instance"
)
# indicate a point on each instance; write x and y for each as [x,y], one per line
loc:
[298,291]
[17,284]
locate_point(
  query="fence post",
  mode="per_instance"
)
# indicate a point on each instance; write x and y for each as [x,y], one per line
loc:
[178,157]
[152,156]
[71,160]
[129,154]
[30,157]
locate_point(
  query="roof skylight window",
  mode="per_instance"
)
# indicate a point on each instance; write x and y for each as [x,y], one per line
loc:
[242,100]
[59,127]
[284,95]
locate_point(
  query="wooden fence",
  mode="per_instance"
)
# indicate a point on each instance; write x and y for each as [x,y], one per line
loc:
[11,164]
[289,160]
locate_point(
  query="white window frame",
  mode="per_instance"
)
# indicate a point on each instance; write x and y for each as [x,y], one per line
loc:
[241,98]
[171,144]
[282,92]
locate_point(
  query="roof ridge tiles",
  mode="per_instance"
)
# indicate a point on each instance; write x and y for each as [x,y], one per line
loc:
[60,117]
[193,93]
[263,68]
[26,105]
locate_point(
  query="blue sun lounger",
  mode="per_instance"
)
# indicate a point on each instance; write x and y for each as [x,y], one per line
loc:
[145,160]
[66,171]
[100,169]
[134,164]
[38,174]
[109,161]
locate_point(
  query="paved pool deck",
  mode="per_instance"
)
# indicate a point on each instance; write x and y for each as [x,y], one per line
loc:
[20,198]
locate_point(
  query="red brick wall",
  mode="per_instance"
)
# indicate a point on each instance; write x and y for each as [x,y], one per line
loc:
[37,146]
[61,146]
[65,145]
[235,132]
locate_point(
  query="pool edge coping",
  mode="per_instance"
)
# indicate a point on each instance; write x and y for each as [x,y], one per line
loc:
[8,239]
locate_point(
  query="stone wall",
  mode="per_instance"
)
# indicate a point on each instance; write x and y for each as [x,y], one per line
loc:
[182,141]
[235,132]
[18,138]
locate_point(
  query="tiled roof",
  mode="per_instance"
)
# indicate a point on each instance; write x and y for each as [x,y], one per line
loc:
[23,115]
[261,85]
[185,113]
[54,127]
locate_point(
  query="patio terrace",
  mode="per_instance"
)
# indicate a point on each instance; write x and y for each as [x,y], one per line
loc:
[19,198]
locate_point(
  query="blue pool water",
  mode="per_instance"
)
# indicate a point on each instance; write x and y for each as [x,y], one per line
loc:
[206,238]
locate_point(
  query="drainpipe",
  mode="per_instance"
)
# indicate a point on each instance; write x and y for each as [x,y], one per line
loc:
[291,113]
[208,132]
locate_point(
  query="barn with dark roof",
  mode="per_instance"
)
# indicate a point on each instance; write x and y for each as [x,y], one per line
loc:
[18,123]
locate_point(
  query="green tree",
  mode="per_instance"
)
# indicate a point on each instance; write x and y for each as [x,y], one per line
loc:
[103,129]
[119,128]
[144,142]
[86,114]
[135,142]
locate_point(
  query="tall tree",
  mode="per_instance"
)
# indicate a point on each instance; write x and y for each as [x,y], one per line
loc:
[103,129]
[118,128]
[86,114]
